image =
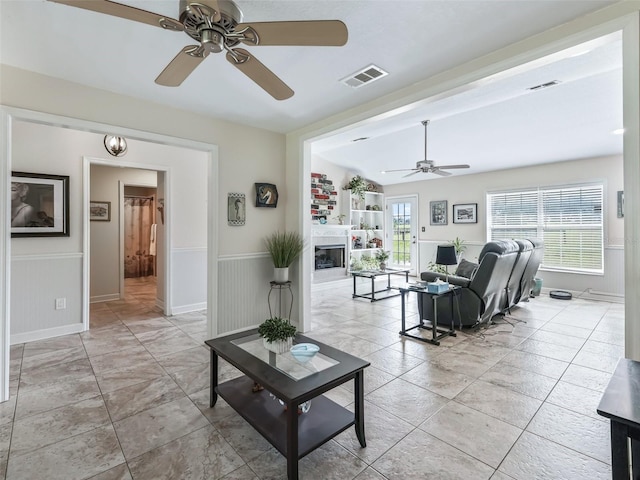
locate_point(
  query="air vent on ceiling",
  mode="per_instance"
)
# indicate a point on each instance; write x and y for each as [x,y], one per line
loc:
[366,75]
[360,139]
[544,85]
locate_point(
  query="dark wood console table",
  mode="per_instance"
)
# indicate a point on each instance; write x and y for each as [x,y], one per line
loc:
[620,403]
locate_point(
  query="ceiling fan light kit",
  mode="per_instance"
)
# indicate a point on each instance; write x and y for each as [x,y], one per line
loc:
[216,26]
[426,165]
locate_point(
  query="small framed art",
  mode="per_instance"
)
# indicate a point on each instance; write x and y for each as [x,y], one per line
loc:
[99,211]
[266,195]
[236,209]
[438,212]
[465,213]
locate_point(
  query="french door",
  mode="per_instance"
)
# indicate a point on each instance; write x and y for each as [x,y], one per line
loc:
[401,232]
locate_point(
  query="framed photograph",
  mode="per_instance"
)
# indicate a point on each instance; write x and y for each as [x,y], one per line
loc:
[266,195]
[438,209]
[236,209]
[39,205]
[465,213]
[99,211]
[620,204]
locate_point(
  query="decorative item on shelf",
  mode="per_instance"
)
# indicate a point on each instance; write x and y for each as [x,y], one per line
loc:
[341,218]
[372,187]
[446,255]
[357,242]
[303,352]
[375,208]
[357,185]
[378,242]
[382,256]
[277,334]
[368,207]
[284,248]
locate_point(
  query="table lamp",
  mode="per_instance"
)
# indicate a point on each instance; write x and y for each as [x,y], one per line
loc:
[446,256]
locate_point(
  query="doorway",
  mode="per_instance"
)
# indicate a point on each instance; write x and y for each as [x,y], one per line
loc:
[401,241]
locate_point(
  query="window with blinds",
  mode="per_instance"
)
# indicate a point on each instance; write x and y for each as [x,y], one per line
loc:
[568,219]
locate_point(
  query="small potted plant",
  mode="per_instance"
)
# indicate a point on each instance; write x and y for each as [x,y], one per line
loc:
[277,334]
[284,248]
[357,185]
[382,256]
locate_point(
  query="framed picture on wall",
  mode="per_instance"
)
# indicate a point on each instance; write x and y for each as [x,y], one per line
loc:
[39,205]
[465,213]
[99,211]
[236,209]
[438,212]
[266,195]
[620,204]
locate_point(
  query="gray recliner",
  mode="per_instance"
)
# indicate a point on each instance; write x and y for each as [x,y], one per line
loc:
[513,291]
[528,276]
[480,297]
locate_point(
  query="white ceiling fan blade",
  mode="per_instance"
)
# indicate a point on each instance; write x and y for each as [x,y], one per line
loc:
[331,33]
[400,170]
[181,67]
[449,167]
[124,11]
[442,173]
[413,173]
[260,74]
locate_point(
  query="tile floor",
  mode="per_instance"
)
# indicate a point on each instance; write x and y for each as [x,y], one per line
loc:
[129,398]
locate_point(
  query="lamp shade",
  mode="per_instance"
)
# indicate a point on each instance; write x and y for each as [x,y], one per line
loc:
[446,255]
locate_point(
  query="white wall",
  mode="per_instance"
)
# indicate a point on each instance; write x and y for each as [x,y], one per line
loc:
[473,189]
[247,155]
[339,176]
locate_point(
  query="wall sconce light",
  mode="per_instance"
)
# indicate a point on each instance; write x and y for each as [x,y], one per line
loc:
[116,146]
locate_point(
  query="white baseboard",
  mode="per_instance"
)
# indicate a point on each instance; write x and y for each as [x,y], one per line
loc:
[105,298]
[46,333]
[189,308]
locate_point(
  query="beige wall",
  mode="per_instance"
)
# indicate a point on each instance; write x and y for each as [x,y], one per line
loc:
[473,189]
[105,236]
[246,155]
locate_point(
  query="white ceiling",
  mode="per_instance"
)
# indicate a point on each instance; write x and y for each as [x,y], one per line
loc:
[412,39]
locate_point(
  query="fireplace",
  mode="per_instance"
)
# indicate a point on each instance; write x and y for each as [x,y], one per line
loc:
[329,256]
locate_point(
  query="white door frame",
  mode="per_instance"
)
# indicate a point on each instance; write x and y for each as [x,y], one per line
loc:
[7,116]
[388,219]
[86,224]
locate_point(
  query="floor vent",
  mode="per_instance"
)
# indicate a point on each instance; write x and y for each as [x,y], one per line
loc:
[366,75]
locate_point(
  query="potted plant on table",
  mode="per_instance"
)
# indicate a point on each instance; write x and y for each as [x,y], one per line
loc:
[284,248]
[277,334]
[382,256]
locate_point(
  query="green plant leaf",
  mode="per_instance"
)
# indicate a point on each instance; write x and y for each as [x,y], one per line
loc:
[284,248]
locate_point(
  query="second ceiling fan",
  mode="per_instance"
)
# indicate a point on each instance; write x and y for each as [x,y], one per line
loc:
[426,165]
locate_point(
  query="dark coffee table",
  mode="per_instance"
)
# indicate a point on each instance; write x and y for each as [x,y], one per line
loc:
[372,274]
[293,434]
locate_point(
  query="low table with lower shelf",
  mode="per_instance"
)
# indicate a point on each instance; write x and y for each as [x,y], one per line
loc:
[294,435]
[438,332]
[372,274]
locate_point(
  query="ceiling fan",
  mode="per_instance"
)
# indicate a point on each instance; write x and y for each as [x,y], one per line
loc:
[426,165]
[216,25]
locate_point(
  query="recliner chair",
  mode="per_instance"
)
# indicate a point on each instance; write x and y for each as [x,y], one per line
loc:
[480,297]
[513,292]
[529,274]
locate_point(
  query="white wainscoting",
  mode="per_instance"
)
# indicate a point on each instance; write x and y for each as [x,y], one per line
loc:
[609,284]
[189,279]
[243,288]
[36,282]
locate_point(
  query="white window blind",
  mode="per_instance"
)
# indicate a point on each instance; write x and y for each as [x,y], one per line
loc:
[568,219]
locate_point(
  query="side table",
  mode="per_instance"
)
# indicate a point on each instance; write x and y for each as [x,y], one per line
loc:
[437,332]
[620,403]
[280,286]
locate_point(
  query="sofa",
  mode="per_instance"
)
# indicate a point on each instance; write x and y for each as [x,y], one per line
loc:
[502,277]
